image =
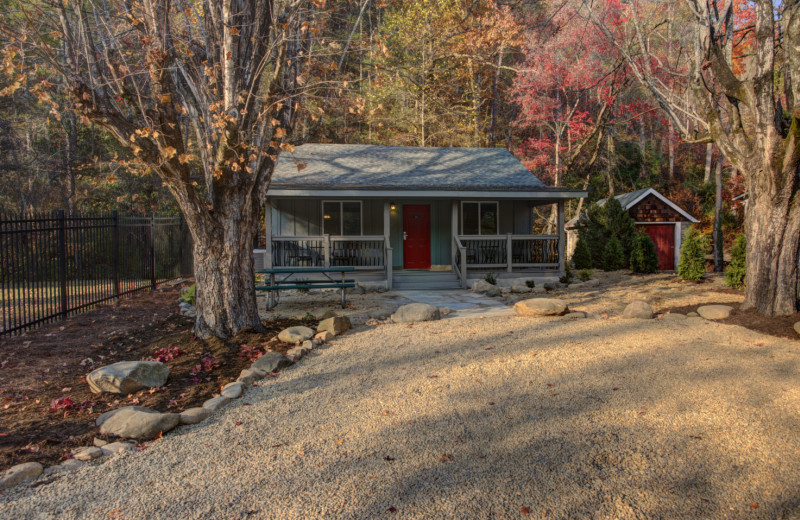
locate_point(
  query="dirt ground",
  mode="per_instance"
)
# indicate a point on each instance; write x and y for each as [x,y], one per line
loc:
[46,407]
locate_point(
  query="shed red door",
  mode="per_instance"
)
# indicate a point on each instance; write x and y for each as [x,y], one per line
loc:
[663,236]
[417,233]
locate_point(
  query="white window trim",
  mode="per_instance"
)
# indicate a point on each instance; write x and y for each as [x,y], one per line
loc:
[497,203]
[341,213]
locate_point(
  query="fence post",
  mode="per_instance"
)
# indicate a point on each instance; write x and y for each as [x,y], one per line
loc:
[115,252]
[152,251]
[509,246]
[62,260]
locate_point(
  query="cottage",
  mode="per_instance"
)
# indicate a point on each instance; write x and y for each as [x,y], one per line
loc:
[412,217]
[663,220]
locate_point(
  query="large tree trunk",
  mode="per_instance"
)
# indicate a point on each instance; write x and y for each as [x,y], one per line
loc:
[772,226]
[224,272]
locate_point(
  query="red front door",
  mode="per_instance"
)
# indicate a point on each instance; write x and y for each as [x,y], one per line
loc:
[663,236]
[417,236]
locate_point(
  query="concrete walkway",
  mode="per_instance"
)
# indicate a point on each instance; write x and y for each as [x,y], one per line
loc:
[462,304]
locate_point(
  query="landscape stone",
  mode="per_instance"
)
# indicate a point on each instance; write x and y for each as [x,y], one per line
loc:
[336,325]
[416,312]
[194,415]
[20,473]
[104,416]
[324,337]
[99,442]
[638,309]
[692,314]
[215,403]
[131,423]
[90,453]
[444,311]
[484,287]
[308,346]
[673,316]
[519,285]
[295,334]
[271,362]
[576,315]
[328,314]
[714,312]
[797,328]
[296,353]
[541,307]
[67,465]
[233,390]
[128,376]
[113,448]
[250,375]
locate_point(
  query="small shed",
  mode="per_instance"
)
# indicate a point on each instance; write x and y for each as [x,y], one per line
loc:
[663,220]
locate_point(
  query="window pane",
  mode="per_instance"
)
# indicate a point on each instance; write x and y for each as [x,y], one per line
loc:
[331,218]
[470,218]
[488,218]
[351,218]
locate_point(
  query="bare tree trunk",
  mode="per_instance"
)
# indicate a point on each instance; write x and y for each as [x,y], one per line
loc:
[671,151]
[707,171]
[642,150]
[717,234]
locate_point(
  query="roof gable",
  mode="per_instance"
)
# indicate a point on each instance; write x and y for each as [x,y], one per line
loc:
[338,166]
[631,199]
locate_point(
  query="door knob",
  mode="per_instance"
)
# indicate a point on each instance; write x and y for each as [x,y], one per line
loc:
[405,235]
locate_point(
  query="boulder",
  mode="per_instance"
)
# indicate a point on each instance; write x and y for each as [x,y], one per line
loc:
[576,315]
[335,325]
[445,311]
[87,454]
[577,285]
[638,309]
[541,307]
[104,416]
[673,316]
[99,442]
[519,285]
[295,334]
[797,328]
[126,377]
[20,473]
[324,337]
[484,287]
[131,423]
[692,315]
[416,312]
[714,312]
[248,376]
[328,314]
[233,390]
[194,415]
[215,403]
[271,362]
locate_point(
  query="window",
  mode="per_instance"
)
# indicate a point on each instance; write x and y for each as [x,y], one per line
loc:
[341,217]
[479,218]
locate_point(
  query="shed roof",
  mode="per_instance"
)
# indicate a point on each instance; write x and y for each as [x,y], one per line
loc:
[629,200]
[377,167]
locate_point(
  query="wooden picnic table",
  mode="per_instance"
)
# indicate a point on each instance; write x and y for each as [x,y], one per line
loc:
[276,285]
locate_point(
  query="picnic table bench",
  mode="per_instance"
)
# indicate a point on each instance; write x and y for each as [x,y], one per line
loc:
[274,285]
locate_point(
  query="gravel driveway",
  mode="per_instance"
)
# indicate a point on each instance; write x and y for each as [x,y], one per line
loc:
[480,418]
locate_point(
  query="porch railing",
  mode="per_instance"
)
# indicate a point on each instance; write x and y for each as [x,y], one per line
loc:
[504,252]
[361,252]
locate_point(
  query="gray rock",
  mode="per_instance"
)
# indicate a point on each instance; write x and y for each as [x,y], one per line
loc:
[20,473]
[552,286]
[249,376]
[416,312]
[328,314]
[88,454]
[444,311]
[233,390]
[541,307]
[484,287]
[113,448]
[594,282]
[139,424]
[295,354]
[194,415]
[324,337]
[184,305]
[673,316]
[64,467]
[373,287]
[128,376]
[99,442]
[638,309]
[215,403]
[538,290]
[576,315]
[308,346]
[336,325]
[692,315]
[104,416]
[797,328]
[295,334]
[577,285]
[714,312]
[271,362]
[518,285]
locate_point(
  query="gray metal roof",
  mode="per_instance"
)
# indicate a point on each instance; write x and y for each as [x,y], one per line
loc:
[373,167]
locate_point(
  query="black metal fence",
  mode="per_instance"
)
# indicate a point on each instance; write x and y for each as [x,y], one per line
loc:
[55,265]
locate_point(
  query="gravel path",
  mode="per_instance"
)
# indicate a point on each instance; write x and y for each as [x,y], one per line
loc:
[480,418]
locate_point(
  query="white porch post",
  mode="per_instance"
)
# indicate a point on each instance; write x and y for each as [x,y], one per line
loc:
[386,237]
[562,262]
[268,231]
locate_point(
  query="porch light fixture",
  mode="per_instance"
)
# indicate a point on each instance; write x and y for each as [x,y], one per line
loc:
[326,217]
[392,206]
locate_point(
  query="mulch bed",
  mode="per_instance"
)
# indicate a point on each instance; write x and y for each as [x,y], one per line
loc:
[780,326]
[46,407]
